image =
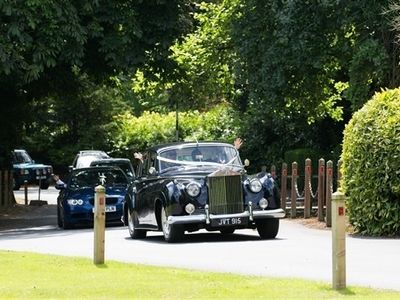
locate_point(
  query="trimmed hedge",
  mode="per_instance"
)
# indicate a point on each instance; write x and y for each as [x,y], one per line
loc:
[371,165]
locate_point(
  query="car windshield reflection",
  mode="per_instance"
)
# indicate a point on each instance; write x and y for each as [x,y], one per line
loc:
[209,155]
[92,178]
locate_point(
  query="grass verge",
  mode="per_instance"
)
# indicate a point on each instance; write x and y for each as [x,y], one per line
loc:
[36,276]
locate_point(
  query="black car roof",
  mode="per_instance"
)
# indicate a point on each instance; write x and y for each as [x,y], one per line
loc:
[185,144]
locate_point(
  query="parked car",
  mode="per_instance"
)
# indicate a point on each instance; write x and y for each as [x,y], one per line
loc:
[189,186]
[85,157]
[123,163]
[75,203]
[25,169]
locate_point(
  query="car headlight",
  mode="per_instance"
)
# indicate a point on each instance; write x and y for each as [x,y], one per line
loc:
[193,189]
[189,208]
[75,201]
[263,203]
[255,185]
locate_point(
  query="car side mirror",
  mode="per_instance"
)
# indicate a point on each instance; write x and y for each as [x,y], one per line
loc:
[246,162]
[60,186]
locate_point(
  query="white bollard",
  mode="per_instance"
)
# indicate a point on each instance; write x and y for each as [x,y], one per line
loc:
[338,241]
[99,224]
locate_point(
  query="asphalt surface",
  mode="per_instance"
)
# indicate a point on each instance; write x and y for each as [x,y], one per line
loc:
[297,252]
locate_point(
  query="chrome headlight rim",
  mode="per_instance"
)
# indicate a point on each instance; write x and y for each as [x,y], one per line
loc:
[193,189]
[255,185]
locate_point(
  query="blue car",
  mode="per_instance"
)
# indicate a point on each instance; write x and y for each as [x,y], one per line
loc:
[75,203]
[26,170]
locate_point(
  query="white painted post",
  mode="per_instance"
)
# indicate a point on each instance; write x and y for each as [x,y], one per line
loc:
[338,241]
[99,224]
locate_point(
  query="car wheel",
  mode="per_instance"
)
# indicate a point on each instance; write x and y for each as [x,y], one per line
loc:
[226,231]
[16,185]
[59,221]
[133,231]
[267,228]
[44,185]
[65,224]
[172,233]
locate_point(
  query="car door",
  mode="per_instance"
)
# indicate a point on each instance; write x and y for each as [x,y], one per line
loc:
[146,189]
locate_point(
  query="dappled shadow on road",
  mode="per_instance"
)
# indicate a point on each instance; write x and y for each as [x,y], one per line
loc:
[205,237]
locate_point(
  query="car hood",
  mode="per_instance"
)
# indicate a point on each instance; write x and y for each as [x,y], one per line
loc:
[90,191]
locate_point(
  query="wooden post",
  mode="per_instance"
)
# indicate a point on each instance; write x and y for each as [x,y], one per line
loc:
[284,186]
[321,190]
[338,241]
[307,189]
[339,174]
[26,191]
[328,194]
[99,224]
[293,196]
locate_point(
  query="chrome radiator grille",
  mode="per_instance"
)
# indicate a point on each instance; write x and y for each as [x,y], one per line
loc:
[225,194]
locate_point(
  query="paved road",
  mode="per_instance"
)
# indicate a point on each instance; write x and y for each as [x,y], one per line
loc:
[297,252]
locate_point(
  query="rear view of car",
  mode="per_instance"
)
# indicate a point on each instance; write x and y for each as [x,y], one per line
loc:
[123,163]
[75,203]
[85,157]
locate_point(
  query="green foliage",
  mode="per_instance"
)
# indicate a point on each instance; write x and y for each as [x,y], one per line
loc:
[371,159]
[131,133]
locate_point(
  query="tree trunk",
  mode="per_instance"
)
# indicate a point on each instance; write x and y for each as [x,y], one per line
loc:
[6,188]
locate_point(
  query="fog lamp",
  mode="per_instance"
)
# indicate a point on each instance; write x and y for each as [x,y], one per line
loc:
[263,203]
[189,208]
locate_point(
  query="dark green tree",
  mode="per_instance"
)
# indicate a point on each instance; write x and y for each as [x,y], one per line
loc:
[43,44]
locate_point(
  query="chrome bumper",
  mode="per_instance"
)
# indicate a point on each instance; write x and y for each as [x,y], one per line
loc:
[207,217]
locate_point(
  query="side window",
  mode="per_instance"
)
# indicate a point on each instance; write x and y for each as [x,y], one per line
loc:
[150,161]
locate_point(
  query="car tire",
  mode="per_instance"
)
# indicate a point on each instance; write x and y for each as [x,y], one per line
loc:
[227,231]
[64,223]
[267,228]
[172,233]
[59,221]
[44,185]
[133,231]
[16,185]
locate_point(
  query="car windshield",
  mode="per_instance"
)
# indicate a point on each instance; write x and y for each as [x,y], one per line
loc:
[213,155]
[22,157]
[93,177]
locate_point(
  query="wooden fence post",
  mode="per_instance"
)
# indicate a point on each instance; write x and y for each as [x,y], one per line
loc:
[293,196]
[339,174]
[284,186]
[307,189]
[99,224]
[321,190]
[329,181]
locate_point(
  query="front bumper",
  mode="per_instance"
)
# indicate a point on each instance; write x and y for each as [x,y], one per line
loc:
[207,217]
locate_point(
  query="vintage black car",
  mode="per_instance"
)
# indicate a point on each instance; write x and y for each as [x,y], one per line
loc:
[189,186]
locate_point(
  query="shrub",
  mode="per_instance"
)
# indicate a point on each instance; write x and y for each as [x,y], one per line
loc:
[132,133]
[371,160]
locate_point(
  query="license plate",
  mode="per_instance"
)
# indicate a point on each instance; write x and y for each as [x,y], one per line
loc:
[40,177]
[108,208]
[233,221]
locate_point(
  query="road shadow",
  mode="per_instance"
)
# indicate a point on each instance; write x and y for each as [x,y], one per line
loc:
[204,237]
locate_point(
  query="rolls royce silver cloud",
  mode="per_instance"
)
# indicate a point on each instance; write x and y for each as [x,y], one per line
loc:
[199,185]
